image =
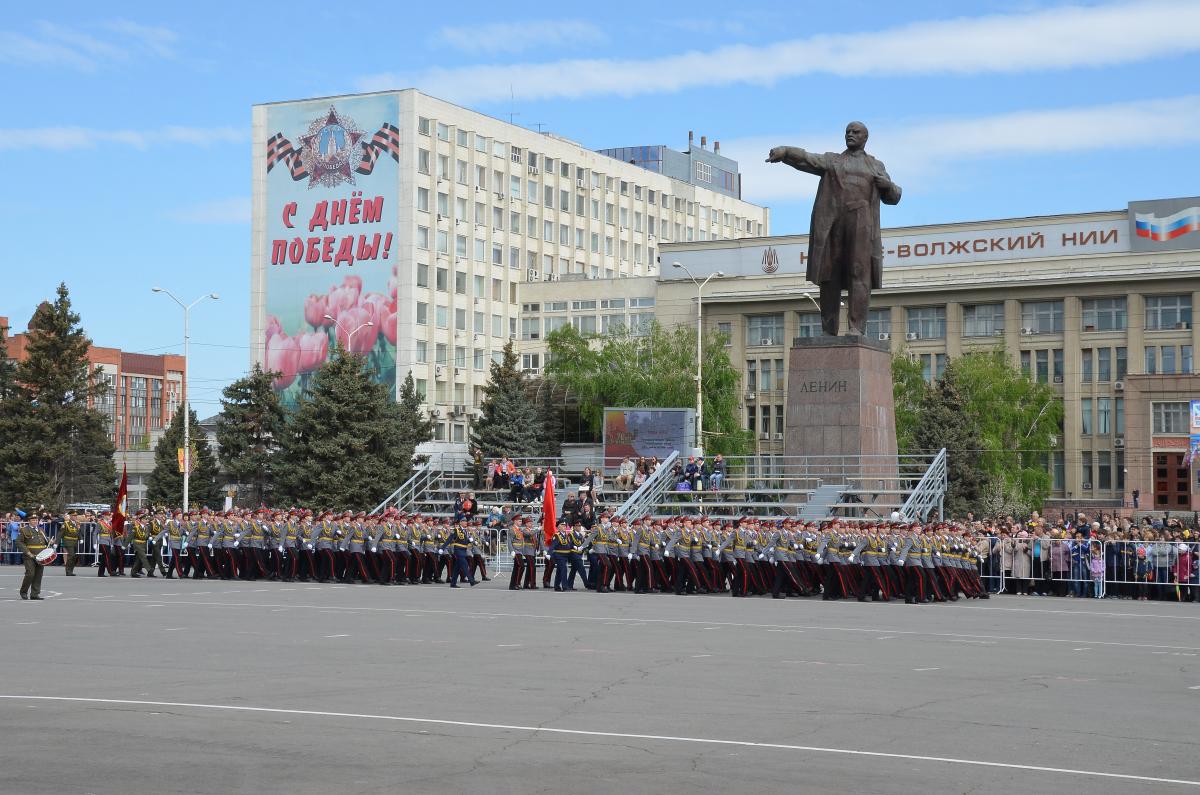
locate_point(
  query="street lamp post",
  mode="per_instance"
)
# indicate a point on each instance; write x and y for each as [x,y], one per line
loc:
[699,347]
[187,415]
[349,336]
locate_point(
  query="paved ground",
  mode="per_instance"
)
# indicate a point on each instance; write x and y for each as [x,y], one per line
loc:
[131,686]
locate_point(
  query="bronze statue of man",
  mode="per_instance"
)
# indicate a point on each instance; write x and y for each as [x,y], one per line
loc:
[845,251]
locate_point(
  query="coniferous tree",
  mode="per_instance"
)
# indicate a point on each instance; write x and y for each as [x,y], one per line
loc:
[166,481]
[248,432]
[550,413]
[510,424]
[344,446]
[56,447]
[416,427]
[943,422]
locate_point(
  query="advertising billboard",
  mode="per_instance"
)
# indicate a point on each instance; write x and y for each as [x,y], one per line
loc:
[649,433]
[330,204]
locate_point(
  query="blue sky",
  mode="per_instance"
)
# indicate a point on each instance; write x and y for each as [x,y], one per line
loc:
[124,140]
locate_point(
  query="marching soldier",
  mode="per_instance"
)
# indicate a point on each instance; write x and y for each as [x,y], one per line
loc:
[31,541]
[139,538]
[157,530]
[70,543]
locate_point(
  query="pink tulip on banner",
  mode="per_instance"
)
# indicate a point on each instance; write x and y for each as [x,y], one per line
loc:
[340,299]
[273,327]
[376,304]
[353,321]
[314,311]
[353,283]
[283,356]
[389,325]
[314,350]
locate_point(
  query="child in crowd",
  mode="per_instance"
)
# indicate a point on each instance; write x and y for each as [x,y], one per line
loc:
[1096,567]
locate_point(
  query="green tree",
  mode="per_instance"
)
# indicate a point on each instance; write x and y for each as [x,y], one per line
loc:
[1017,420]
[166,481]
[654,370]
[908,389]
[943,422]
[57,447]
[416,427]
[248,431]
[550,416]
[510,424]
[344,447]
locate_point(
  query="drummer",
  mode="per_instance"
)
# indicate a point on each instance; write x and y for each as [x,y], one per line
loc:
[32,543]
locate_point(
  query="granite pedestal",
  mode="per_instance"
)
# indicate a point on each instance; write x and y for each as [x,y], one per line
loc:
[839,402]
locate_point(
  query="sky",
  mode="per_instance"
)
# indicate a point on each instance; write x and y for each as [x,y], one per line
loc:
[125,129]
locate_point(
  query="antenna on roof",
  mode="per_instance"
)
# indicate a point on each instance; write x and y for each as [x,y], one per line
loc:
[512,97]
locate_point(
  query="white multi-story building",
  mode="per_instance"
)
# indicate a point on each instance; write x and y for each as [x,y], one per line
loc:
[472,209]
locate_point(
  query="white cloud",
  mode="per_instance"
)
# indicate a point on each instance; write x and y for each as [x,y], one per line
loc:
[52,44]
[1059,38]
[925,150]
[69,138]
[514,37]
[233,210]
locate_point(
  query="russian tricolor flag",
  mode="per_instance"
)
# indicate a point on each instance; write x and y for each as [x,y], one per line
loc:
[1167,227]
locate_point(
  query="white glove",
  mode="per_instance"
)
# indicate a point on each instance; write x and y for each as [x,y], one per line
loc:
[210,547]
[901,562]
[372,549]
[515,556]
[820,559]
[630,556]
[851,558]
[310,546]
[762,557]
[281,547]
[235,544]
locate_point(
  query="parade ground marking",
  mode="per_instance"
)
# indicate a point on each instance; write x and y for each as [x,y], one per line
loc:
[615,735]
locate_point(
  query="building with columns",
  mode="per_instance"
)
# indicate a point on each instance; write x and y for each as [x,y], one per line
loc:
[1098,305]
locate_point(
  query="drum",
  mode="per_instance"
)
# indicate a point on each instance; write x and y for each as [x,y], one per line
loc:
[46,556]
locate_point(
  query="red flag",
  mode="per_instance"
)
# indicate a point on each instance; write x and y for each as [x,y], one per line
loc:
[118,512]
[548,522]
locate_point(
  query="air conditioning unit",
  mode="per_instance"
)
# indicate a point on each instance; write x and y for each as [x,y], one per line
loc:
[766,341]
[749,396]
[1183,324]
[779,437]
[457,372]
[533,170]
[1119,442]
[764,436]
[1026,331]
[477,414]
[435,413]
[460,410]
[579,183]
[998,332]
[532,275]
[1118,386]
[1087,486]
[884,336]
[441,218]
[911,335]
[439,371]
[1058,379]
[499,194]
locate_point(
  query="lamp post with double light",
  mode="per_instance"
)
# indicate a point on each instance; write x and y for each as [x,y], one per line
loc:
[699,346]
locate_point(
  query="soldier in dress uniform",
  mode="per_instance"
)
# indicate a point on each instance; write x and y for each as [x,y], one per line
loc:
[69,543]
[458,542]
[31,540]
[154,524]
[523,554]
[173,531]
[139,538]
[104,556]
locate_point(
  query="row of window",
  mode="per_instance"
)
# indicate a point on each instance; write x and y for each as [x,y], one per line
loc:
[635,323]
[639,254]
[1102,416]
[479,325]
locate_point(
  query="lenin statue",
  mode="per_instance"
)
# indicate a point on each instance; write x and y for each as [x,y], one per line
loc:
[845,251]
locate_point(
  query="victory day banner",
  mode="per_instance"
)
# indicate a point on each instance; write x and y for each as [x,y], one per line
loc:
[331,220]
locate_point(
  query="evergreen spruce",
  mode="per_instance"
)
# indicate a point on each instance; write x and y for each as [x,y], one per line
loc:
[56,447]
[251,424]
[510,424]
[943,422]
[416,427]
[550,413]
[166,481]
[344,447]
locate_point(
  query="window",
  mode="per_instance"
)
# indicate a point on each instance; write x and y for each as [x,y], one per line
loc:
[1104,469]
[531,328]
[480,326]
[442,317]
[460,319]
[422,388]
[442,275]
[1151,360]
[1086,365]
[1170,417]
[1104,416]
[1167,359]
[1042,317]
[1122,364]
[1104,314]
[423,161]
[1059,470]
[703,172]
[765,413]
[439,353]
[752,375]
[1168,311]
[611,324]
[725,330]
[751,418]
[809,324]
[443,132]
[460,282]
[556,306]
[1087,470]
[423,199]
[422,313]
[460,356]
[1085,415]
[760,329]
[477,355]
[1119,416]
[531,362]
[1042,360]
[983,320]
[927,322]
[1057,356]
[554,324]
[423,125]
[879,321]
[1104,364]
[422,275]
[584,324]
[423,237]
[1185,359]
[766,380]
[932,366]
[497,325]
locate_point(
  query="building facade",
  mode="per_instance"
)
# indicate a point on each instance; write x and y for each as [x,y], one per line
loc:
[1097,305]
[475,212]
